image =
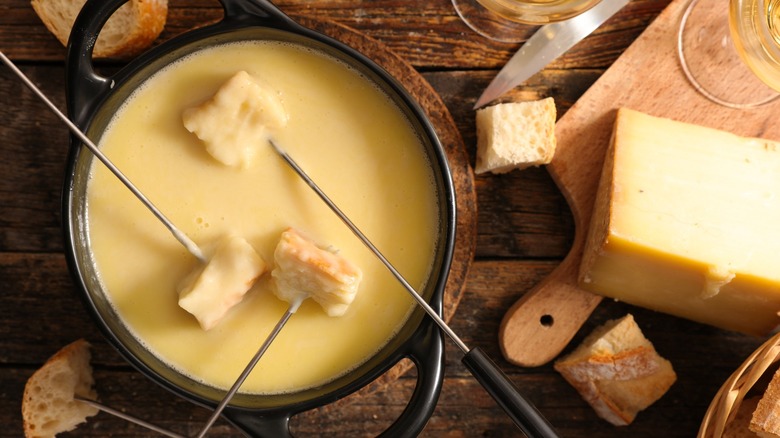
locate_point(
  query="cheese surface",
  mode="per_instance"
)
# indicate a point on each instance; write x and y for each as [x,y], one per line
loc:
[349,137]
[686,222]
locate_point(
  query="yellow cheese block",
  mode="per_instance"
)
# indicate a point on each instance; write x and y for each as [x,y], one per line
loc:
[687,222]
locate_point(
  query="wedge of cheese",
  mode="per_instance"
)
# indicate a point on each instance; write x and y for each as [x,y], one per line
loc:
[687,222]
[303,270]
[237,120]
[212,289]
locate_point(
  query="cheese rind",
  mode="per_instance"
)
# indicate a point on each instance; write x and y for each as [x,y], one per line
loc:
[236,121]
[685,222]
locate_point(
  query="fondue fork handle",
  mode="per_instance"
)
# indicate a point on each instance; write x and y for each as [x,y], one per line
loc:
[178,234]
[127,417]
[496,383]
[250,366]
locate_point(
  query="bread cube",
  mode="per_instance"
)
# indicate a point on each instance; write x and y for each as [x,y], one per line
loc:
[212,289]
[303,270]
[237,120]
[617,371]
[515,136]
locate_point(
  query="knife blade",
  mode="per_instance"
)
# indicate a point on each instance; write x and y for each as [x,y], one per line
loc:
[548,43]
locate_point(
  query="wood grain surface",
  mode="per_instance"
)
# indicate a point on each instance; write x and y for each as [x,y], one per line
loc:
[524,230]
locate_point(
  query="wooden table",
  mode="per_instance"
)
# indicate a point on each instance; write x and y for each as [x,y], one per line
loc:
[524,230]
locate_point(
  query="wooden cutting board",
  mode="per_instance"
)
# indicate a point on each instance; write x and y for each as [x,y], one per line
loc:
[648,78]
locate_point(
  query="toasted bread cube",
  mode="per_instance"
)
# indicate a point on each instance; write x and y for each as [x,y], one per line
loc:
[304,270]
[212,289]
[237,120]
[617,371]
[515,135]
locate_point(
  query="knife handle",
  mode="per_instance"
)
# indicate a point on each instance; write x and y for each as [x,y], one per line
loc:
[497,384]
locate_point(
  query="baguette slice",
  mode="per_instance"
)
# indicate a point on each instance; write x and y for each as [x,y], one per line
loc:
[766,417]
[48,407]
[515,136]
[131,29]
[738,427]
[617,371]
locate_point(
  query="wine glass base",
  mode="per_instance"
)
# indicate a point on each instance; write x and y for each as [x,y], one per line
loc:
[489,24]
[710,61]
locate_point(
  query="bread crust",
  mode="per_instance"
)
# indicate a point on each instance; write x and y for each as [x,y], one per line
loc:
[48,393]
[766,420]
[130,31]
[617,371]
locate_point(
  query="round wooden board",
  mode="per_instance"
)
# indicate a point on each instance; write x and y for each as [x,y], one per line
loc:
[462,174]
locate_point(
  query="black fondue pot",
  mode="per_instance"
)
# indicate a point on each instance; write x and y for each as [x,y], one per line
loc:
[92,101]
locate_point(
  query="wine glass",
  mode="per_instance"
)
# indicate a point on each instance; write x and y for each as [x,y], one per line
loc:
[730,50]
[509,20]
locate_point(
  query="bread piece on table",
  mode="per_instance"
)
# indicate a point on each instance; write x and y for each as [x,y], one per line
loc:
[515,135]
[617,371]
[48,407]
[131,29]
[766,418]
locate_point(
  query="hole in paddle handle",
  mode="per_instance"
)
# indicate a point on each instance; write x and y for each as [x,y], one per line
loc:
[546,320]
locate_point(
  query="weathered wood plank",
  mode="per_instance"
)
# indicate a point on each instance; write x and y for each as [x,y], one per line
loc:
[428,35]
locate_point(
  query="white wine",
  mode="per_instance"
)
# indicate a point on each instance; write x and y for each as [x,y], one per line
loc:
[538,11]
[755,29]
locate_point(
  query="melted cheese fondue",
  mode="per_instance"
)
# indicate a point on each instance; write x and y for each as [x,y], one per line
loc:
[345,133]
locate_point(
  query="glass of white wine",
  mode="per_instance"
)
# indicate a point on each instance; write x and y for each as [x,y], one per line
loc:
[509,20]
[730,50]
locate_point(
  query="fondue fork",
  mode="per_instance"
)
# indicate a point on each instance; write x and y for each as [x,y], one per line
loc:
[127,417]
[191,246]
[251,365]
[493,380]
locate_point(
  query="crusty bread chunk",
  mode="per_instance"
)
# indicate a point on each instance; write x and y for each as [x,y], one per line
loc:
[212,289]
[131,29]
[305,270]
[238,120]
[48,407]
[738,427]
[766,417]
[515,135]
[617,371]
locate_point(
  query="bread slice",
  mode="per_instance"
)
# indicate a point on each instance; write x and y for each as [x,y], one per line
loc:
[131,29]
[738,427]
[515,135]
[48,407]
[617,371]
[766,418]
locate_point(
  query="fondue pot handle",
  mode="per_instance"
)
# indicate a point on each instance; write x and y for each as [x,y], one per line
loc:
[83,85]
[85,88]
[425,349]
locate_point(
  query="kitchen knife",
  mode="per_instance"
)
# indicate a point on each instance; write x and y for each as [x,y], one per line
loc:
[548,43]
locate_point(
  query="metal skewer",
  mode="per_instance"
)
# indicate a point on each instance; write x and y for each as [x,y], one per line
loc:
[250,366]
[496,383]
[191,246]
[127,417]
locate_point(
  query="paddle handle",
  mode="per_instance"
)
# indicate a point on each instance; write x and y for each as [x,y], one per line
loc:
[541,323]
